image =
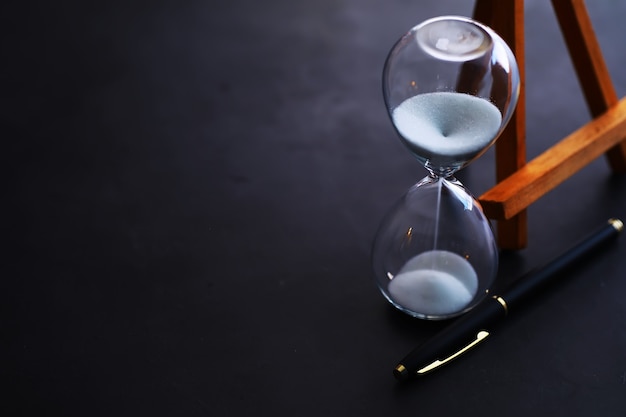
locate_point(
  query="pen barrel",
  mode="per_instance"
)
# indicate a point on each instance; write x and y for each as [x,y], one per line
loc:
[454,337]
[528,285]
[464,332]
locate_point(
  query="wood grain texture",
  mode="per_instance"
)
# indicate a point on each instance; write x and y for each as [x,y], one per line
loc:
[520,184]
[507,19]
[591,69]
[555,165]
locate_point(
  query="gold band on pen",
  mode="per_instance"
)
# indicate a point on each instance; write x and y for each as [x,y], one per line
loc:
[502,303]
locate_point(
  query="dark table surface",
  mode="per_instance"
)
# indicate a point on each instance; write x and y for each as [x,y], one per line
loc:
[190,197]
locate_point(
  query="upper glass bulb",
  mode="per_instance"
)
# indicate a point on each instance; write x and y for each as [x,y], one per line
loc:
[450,85]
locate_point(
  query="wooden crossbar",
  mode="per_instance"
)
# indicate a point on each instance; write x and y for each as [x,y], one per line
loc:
[512,195]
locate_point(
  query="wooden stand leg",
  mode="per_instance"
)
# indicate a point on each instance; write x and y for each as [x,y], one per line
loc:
[520,184]
[507,19]
[593,75]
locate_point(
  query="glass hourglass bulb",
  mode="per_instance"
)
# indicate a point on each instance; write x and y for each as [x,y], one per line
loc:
[450,86]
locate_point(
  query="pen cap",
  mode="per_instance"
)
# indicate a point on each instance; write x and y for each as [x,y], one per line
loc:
[434,256]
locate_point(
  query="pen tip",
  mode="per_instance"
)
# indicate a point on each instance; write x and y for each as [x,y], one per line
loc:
[401,373]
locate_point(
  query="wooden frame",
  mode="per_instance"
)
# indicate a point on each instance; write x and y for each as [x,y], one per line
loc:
[519,184]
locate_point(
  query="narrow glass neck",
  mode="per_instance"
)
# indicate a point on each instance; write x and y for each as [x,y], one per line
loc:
[447,174]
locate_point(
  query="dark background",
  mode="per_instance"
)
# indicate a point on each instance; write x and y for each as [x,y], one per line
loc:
[190,193]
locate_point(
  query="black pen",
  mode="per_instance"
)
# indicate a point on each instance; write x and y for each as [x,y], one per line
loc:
[469,330]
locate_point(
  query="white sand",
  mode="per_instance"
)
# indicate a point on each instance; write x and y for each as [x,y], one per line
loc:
[434,283]
[447,124]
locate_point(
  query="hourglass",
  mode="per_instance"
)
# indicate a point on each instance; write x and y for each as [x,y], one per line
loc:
[450,86]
